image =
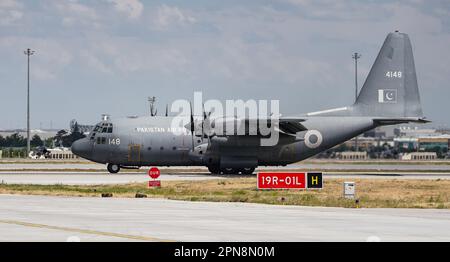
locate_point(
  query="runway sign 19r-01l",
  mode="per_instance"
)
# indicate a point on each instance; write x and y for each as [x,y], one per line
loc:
[289,180]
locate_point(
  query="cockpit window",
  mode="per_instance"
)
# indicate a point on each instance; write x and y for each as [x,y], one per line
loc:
[104,128]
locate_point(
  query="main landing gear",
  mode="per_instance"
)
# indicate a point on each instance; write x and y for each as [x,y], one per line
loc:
[231,171]
[113,168]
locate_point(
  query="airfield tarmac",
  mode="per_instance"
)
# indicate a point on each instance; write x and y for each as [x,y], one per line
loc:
[319,165]
[48,218]
[104,178]
[88,173]
[43,218]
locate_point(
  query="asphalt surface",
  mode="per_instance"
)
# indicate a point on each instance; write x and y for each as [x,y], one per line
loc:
[89,173]
[80,178]
[42,218]
[89,166]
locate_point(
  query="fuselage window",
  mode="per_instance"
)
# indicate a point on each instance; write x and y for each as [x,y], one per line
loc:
[99,140]
[103,140]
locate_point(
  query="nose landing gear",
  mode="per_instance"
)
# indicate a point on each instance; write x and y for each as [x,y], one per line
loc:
[214,170]
[113,168]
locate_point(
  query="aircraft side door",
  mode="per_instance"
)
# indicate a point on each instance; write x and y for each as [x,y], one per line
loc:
[135,149]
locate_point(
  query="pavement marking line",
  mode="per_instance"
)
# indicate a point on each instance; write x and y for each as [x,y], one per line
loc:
[84,231]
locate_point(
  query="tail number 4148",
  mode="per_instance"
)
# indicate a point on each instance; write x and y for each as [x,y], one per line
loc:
[394,74]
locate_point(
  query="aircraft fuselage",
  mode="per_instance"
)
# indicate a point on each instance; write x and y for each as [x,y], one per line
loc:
[150,141]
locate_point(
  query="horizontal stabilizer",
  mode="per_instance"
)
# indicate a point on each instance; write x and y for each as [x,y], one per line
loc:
[399,120]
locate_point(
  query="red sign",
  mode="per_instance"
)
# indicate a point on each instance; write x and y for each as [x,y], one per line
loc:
[272,180]
[154,172]
[154,183]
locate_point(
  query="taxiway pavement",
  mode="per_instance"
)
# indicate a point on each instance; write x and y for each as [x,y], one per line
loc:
[45,218]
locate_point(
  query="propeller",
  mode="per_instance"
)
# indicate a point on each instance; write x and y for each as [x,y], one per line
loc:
[192,125]
[206,123]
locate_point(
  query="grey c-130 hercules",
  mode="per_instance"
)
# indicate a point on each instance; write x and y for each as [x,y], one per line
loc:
[389,96]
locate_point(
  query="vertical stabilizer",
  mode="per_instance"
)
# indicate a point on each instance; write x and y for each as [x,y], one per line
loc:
[391,87]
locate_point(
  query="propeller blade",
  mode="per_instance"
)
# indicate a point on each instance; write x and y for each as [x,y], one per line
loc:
[192,125]
[203,122]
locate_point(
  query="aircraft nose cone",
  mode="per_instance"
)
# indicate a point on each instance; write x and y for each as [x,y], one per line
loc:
[81,148]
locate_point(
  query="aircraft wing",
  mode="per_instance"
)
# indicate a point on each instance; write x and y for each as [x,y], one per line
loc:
[291,125]
[247,127]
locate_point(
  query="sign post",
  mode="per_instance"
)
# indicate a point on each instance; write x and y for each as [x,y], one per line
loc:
[154,173]
[349,190]
[289,180]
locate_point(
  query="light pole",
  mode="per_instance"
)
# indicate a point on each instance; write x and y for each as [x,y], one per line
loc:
[356,56]
[28,53]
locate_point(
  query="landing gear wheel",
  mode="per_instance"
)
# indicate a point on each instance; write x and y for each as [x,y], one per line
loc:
[113,168]
[230,171]
[248,170]
[214,170]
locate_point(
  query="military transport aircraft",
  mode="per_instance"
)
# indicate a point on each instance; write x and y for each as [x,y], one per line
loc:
[389,96]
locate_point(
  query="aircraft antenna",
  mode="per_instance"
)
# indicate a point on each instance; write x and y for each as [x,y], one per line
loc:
[151,101]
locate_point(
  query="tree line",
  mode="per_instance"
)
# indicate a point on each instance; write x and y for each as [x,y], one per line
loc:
[62,138]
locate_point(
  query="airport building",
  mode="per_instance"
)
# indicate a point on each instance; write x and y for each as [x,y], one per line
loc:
[407,131]
[61,153]
[422,140]
[419,156]
[396,142]
[406,143]
[441,142]
[351,155]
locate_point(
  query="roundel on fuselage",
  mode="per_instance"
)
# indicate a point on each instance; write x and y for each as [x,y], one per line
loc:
[313,138]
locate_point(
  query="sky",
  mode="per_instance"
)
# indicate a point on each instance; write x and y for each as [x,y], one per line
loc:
[108,56]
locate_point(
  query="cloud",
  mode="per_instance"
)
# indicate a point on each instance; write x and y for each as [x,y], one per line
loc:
[75,8]
[10,4]
[94,62]
[167,16]
[50,58]
[9,17]
[245,49]
[10,12]
[74,13]
[132,8]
